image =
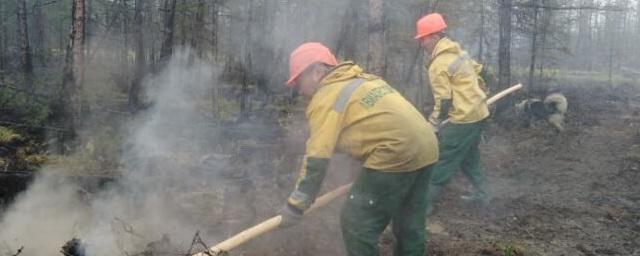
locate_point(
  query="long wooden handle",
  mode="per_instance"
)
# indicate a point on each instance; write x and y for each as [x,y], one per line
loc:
[271,224]
[493,98]
[503,93]
[274,222]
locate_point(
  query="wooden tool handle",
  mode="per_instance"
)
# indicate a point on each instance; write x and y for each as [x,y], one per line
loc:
[271,224]
[503,93]
[274,222]
[493,98]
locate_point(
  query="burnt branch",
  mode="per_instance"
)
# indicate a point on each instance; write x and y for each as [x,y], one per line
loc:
[19,251]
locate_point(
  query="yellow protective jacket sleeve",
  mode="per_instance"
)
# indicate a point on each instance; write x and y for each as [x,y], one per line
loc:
[455,76]
[361,115]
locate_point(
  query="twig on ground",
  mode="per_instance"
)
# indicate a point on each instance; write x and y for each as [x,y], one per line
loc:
[19,251]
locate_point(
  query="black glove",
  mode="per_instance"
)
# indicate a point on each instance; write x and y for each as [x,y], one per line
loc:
[290,216]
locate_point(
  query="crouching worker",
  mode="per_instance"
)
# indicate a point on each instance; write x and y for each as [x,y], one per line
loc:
[459,95]
[360,114]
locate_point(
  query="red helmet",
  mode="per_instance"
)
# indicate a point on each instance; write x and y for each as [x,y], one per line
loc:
[430,24]
[305,55]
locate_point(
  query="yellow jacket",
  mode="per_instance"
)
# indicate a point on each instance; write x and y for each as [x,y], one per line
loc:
[360,114]
[455,76]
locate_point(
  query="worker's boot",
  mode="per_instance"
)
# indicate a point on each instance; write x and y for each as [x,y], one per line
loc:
[432,197]
[479,197]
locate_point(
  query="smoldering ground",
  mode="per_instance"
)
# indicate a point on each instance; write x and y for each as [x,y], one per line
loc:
[162,179]
[165,187]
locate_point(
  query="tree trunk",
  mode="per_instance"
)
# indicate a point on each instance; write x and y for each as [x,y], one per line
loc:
[78,49]
[26,64]
[89,10]
[504,53]
[481,39]
[78,36]
[198,29]
[124,16]
[245,104]
[534,37]
[140,67]
[611,26]
[418,61]
[614,31]
[546,22]
[3,40]
[215,88]
[40,46]
[73,74]
[376,60]
[167,43]
[214,28]
[344,46]
[504,48]
[637,50]
[584,40]
[183,23]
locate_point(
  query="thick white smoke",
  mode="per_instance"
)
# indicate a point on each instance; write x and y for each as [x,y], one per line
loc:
[155,194]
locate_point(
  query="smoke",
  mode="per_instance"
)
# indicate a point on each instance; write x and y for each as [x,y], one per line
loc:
[164,189]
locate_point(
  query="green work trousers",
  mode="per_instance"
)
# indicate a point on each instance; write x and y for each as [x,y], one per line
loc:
[378,198]
[459,150]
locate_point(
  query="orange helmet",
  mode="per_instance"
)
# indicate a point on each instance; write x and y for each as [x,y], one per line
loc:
[305,55]
[429,24]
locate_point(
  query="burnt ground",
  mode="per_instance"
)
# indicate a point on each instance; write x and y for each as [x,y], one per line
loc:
[573,193]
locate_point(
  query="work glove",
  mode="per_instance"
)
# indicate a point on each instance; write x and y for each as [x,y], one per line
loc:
[435,126]
[291,216]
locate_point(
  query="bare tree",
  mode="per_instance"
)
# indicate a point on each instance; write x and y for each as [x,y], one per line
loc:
[168,30]
[140,66]
[75,71]
[183,18]
[26,64]
[611,25]
[344,46]
[245,101]
[584,40]
[198,29]
[39,18]
[215,89]
[124,22]
[504,48]
[3,40]
[637,50]
[544,30]
[71,96]
[534,37]
[376,53]
[78,38]
[482,32]
[504,51]
[215,9]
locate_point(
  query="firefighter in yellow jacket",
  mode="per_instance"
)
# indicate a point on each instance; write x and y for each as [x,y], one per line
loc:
[361,115]
[459,95]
